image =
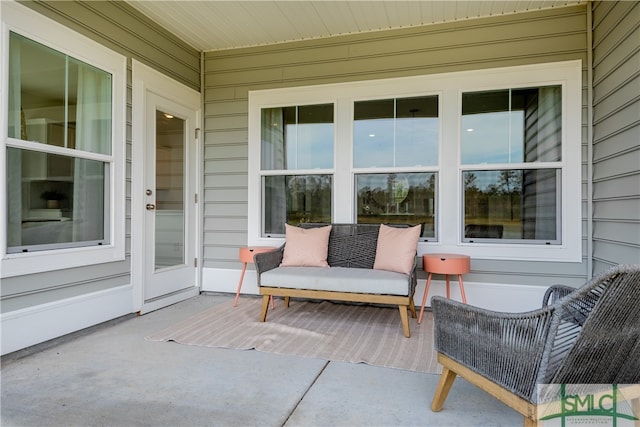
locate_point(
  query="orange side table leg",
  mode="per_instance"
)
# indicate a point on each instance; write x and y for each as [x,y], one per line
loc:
[464,297]
[244,268]
[424,297]
[446,277]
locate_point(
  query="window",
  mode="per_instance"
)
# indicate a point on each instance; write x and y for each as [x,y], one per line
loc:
[395,132]
[397,198]
[56,200]
[63,148]
[518,132]
[488,161]
[296,142]
[399,134]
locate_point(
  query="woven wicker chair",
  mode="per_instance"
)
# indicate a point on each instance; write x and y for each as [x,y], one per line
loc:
[589,335]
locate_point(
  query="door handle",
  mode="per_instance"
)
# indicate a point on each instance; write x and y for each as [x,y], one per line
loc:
[150,206]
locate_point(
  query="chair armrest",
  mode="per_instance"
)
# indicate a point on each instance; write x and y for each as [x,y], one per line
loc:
[507,348]
[265,261]
[554,293]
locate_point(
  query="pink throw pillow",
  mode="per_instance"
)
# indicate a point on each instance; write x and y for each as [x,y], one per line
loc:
[397,248]
[306,247]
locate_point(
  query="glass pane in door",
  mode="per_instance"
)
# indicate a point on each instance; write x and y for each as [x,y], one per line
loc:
[170,191]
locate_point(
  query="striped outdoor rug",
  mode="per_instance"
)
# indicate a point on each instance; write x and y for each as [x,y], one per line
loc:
[323,330]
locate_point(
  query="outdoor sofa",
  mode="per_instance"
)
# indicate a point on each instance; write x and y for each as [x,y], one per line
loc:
[364,263]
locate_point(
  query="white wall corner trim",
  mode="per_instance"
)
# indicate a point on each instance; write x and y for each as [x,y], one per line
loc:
[34,325]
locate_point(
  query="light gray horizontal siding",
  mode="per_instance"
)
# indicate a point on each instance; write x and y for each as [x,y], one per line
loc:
[122,29]
[225,209]
[625,210]
[528,38]
[620,186]
[222,166]
[232,181]
[616,232]
[230,150]
[616,133]
[546,36]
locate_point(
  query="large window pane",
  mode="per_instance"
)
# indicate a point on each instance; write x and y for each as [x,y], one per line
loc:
[93,108]
[417,131]
[297,137]
[170,190]
[515,204]
[57,100]
[373,134]
[54,201]
[397,198]
[396,132]
[512,126]
[37,96]
[295,199]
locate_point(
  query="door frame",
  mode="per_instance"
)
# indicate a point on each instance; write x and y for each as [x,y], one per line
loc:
[145,79]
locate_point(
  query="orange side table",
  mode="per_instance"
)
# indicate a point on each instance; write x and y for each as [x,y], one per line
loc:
[444,264]
[246,256]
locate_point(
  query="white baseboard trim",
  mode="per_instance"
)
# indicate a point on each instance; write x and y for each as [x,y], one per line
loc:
[35,325]
[492,296]
[511,298]
[226,280]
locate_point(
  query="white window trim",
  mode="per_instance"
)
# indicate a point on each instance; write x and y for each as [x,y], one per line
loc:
[22,20]
[449,87]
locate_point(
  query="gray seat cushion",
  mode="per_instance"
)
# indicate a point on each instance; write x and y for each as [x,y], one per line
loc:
[339,279]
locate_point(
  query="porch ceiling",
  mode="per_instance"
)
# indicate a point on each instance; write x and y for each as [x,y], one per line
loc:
[215,25]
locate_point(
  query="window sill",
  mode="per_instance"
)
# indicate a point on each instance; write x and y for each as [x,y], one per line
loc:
[507,252]
[43,261]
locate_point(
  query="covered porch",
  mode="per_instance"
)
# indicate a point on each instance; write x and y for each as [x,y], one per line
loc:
[110,375]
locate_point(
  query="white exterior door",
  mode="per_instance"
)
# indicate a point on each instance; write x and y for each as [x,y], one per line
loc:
[166,191]
[169,183]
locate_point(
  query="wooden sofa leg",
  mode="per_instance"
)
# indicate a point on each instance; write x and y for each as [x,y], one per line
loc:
[287,300]
[405,320]
[265,307]
[412,308]
[528,422]
[442,391]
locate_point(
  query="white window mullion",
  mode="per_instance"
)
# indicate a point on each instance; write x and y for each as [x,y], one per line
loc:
[344,201]
[66,102]
[449,208]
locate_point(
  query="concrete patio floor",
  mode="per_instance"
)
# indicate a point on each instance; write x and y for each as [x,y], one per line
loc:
[109,375]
